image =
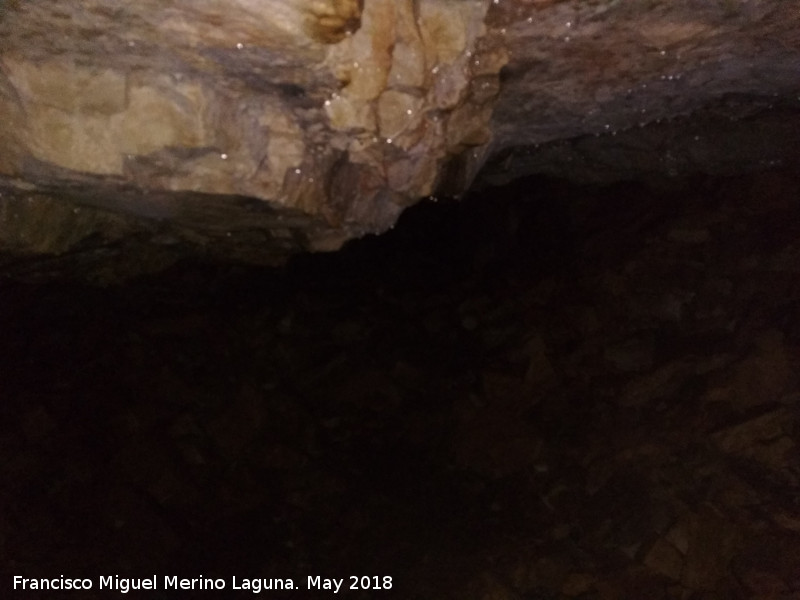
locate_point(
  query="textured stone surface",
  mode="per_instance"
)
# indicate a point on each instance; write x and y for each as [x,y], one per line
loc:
[342,110]
[337,114]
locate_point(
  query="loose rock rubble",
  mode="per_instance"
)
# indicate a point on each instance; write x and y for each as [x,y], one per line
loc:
[551,393]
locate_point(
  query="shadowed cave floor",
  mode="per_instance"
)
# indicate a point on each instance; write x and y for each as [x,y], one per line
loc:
[546,393]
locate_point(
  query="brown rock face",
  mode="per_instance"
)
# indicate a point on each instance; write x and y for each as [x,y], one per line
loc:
[259,128]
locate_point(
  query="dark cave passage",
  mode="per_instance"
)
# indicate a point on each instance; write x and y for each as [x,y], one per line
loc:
[540,392]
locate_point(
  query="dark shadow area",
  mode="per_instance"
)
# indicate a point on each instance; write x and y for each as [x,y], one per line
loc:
[541,392]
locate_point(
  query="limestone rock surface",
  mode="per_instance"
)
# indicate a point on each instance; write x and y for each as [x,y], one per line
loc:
[255,129]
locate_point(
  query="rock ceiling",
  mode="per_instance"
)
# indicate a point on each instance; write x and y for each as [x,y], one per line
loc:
[254,129]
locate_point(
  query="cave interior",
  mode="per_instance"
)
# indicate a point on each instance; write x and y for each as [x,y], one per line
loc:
[415,299]
[542,390]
